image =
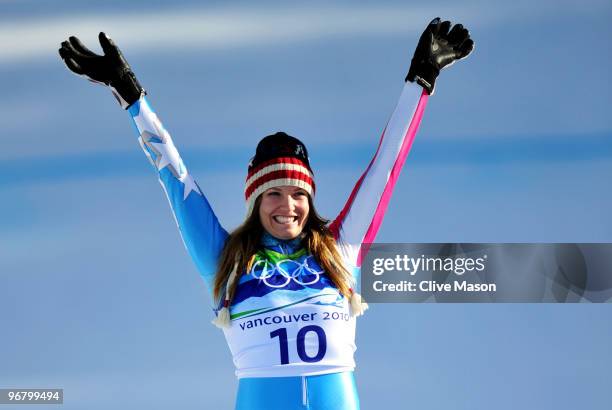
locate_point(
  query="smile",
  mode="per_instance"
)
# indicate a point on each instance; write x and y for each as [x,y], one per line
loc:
[284,219]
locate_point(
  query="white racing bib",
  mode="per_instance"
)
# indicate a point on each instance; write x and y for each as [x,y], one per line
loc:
[289,320]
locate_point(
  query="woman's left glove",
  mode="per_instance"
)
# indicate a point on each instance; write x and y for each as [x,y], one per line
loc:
[110,69]
[439,47]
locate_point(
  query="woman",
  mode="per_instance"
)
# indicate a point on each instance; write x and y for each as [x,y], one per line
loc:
[284,280]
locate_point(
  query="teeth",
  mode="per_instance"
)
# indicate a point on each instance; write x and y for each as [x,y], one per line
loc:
[284,219]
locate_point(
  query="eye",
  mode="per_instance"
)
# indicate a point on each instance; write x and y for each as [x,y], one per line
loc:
[273,193]
[300,193]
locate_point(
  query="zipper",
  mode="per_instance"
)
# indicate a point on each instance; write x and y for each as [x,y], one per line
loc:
[304,392]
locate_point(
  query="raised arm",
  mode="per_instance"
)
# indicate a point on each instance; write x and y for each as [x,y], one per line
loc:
[362,215]
[202,234]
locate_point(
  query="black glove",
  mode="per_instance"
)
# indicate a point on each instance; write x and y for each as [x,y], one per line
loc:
[437,49]
[109,69]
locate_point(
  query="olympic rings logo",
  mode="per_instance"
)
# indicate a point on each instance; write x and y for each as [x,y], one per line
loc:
[279,274]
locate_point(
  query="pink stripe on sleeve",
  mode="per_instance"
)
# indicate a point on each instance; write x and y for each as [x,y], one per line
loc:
[337,223]
[395,172]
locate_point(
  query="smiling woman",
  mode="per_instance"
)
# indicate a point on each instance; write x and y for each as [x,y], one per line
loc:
[283,211]
[284,258]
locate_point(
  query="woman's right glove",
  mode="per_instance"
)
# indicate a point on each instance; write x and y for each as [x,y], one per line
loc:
[438,48]
[110,69]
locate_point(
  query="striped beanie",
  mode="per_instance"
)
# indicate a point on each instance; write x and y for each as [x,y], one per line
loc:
[280,159]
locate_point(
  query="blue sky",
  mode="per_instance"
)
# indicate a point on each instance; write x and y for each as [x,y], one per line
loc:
[97,294]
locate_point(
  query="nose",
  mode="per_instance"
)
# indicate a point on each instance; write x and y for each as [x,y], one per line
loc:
[289,201]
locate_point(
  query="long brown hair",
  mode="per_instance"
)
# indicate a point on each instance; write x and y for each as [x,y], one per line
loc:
[244,242]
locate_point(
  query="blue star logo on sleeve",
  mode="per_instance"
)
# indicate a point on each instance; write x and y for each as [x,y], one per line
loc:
[190,185]
[160,150]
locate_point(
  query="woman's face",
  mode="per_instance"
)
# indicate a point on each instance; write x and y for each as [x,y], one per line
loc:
[283,211]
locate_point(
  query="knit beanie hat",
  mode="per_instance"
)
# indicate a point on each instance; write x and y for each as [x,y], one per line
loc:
[280,159]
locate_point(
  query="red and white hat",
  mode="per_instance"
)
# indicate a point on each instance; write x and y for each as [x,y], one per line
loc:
[279,160]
